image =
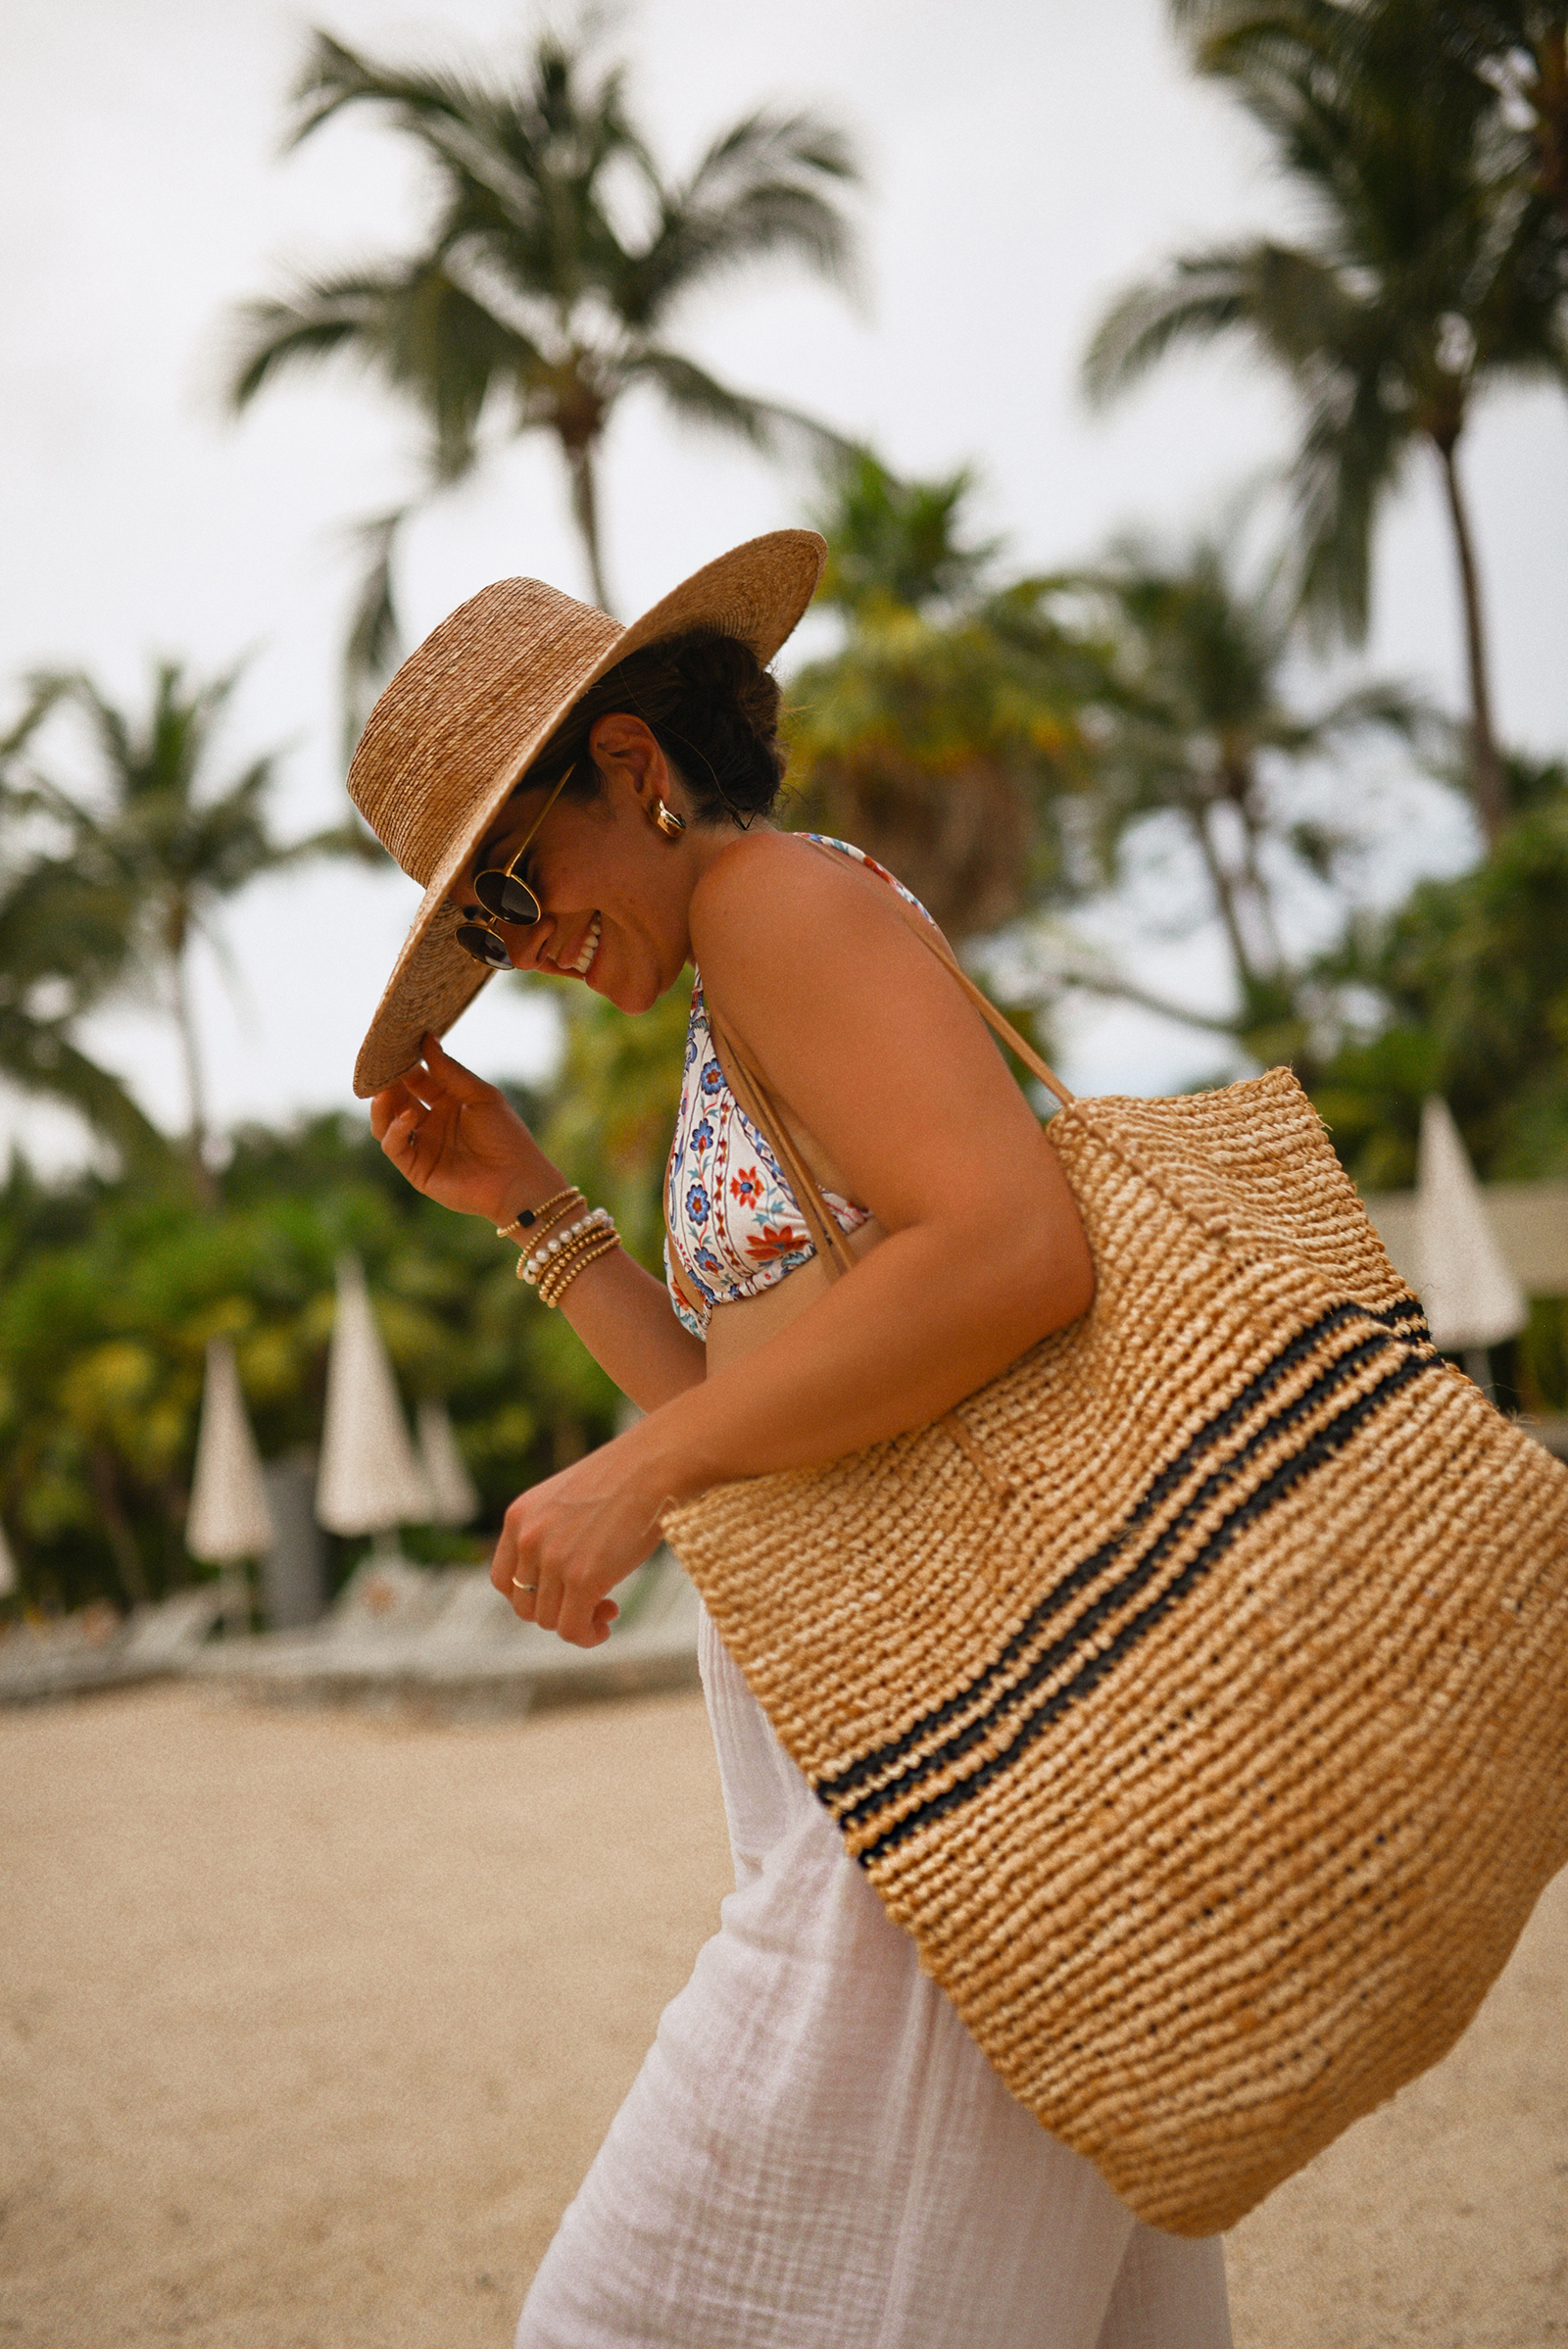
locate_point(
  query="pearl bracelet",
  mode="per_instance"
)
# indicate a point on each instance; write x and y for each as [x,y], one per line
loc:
[557,1278]
[530,1267]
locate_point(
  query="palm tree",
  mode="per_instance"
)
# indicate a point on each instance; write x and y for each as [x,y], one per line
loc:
[892,542]
[943,736]
[1518,51]
[532,302]
[1432,278]
[150,855]
[1194,726]
[57,956]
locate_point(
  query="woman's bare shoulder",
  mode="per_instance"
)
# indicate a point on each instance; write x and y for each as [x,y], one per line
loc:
[779,886]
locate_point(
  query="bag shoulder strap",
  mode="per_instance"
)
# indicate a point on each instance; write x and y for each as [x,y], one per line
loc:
[750,1091]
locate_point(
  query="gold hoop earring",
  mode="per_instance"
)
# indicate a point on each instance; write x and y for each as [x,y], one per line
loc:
[668,822]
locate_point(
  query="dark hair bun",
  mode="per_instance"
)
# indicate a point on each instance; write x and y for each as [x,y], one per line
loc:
[712,708]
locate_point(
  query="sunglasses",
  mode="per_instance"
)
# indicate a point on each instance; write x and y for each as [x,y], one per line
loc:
[505,898]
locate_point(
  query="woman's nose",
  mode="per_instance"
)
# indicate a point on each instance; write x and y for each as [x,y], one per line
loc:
[526,942]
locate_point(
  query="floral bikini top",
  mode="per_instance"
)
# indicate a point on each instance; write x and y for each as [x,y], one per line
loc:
[732,1218]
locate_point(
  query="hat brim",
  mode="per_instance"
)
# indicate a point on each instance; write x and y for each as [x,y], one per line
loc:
[756,593]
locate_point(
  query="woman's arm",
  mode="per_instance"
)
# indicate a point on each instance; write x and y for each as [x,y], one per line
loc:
[460,1140]
[864,1038]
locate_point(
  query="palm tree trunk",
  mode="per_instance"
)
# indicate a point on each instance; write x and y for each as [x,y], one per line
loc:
[116,1525]
[1487,784]
[195,1085]
[585,513]
[1224,888]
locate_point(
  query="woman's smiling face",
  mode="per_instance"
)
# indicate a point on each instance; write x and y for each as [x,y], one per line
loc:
[613,892]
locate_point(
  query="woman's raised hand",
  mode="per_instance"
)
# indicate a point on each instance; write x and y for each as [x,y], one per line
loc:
[459,1139]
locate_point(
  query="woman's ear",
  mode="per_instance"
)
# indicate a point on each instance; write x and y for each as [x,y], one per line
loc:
[627,755]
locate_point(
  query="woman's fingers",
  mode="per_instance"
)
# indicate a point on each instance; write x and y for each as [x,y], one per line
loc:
[462,1083]
[387,1106]
[514,1569]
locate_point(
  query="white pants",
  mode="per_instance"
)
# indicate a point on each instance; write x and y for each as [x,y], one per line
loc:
[815,2155]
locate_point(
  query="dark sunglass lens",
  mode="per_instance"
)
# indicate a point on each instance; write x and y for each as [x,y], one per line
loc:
[502,894]
[483,944]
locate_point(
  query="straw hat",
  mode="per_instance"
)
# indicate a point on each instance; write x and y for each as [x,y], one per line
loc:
[470,712]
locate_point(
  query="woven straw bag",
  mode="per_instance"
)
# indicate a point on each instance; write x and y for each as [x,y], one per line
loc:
[1197,1693]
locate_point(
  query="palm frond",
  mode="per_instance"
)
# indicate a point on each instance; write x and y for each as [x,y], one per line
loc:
[756,193]
[1350,454]
[1291,302]
[425,335]
[699,398]
[318,316]
[39,1058]
[334,76]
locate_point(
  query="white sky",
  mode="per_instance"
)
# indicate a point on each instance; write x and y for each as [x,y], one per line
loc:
[1024,162]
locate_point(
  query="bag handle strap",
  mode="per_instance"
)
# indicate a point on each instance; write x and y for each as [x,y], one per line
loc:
[750,1091]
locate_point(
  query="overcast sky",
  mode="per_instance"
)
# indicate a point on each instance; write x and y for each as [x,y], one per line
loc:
[1024,160]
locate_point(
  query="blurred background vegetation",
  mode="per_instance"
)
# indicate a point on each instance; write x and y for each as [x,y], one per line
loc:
[1170,726]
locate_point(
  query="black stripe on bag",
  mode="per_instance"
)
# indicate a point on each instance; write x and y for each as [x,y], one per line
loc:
[1115,1596]
[1408,1312]
[1290,1472]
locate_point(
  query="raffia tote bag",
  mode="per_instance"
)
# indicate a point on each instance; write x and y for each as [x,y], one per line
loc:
[1197,1693]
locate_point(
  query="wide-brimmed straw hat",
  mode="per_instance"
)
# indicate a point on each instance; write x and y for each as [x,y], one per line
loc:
[468,713]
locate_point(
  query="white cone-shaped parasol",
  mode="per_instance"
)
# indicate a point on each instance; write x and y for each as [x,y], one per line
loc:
[229,1517]
[453,1493]
[8,1567]
[370,1480]
[1471,1297]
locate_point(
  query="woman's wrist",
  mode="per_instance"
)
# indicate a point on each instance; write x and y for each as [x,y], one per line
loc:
[529,1187]
[666,1453]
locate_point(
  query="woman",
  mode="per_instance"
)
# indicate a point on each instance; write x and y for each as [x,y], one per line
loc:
[815,2151]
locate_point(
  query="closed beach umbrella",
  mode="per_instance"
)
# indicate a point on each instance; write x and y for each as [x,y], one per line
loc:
[370,1480]
[1471,1297]
[229,1517]
[454,1496]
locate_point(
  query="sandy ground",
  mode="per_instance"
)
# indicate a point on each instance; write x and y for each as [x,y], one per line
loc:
[310,2024]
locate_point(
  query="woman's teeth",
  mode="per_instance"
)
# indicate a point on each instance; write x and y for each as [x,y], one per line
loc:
[590,947]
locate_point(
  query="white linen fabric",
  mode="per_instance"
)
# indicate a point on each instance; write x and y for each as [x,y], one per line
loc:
[815,2155]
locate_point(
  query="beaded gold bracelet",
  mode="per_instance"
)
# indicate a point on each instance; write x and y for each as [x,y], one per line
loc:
[529,1228]
[601,1229]
[560,1275]
[564,1236]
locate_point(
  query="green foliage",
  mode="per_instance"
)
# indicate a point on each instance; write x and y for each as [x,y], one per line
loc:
[1471,976]
[943,736]
[109,1293]
[894,542]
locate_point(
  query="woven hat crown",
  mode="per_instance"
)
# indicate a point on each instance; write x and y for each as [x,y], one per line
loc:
[470,700]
